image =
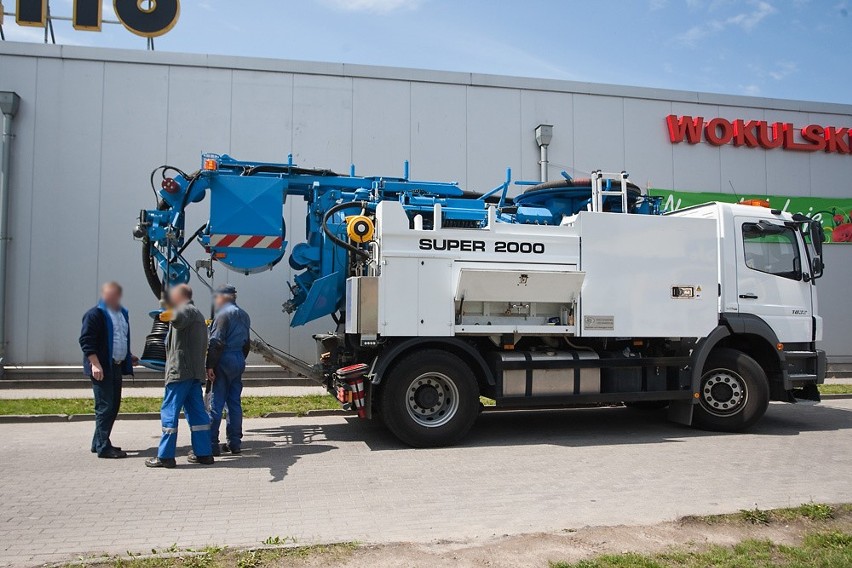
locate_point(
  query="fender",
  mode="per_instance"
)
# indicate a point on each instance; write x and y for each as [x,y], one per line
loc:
[680,412]
[472,357]
[702,351]
[735,324]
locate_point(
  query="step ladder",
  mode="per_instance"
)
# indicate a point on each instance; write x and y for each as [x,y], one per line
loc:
[602,187]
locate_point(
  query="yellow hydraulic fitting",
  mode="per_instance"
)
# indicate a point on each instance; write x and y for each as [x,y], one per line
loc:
[359,228]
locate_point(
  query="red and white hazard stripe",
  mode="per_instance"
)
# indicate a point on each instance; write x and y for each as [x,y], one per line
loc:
[246,241]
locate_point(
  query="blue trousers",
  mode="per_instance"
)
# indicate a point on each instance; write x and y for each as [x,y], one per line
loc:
[186,395]
[227,389]
[107,395]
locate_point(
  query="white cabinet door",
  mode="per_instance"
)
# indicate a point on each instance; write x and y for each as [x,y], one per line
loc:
[770,282]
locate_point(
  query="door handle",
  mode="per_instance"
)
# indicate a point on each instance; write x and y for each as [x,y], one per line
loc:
[748,296]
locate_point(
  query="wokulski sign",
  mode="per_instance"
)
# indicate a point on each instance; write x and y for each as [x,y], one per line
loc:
[759,134]
[147,19]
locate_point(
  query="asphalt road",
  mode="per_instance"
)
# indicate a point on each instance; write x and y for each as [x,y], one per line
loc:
[339,479]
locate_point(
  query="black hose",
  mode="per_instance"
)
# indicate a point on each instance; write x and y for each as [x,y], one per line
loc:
[340,242]
[272,169]
[149,266]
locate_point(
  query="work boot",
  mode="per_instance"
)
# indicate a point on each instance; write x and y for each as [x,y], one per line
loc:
[216,451]
[161,462]
[112,454]
[231,448]
[203,460]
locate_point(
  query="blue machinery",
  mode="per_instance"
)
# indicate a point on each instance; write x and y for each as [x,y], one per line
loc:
[246,231]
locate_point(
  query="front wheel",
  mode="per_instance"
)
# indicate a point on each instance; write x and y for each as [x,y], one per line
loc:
[734,392]
[429,399]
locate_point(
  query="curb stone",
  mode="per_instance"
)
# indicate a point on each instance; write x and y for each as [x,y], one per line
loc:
[24,418]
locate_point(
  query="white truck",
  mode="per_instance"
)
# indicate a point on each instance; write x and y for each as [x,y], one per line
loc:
[709,310]
[561,297]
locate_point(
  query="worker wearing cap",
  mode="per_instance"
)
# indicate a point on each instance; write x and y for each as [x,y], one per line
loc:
[226,361]
[186,347]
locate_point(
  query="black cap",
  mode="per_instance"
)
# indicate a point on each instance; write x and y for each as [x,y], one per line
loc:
[226,290]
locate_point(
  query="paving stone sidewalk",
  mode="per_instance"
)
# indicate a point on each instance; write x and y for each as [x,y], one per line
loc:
[340,479]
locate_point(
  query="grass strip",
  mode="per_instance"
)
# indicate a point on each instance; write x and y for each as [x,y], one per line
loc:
[829,549]
[253,406]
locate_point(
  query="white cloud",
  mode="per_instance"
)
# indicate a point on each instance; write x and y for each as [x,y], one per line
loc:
[751,90]
[374,6]
[746,21]
[783,69]
[657,4]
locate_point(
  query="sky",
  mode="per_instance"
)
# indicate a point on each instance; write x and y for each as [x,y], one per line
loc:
[791,49]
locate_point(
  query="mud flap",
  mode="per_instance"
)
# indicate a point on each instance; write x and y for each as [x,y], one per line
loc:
[680,412]
[807,392]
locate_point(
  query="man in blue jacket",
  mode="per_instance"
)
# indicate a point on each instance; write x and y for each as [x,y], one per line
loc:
[226,361]
[105,341]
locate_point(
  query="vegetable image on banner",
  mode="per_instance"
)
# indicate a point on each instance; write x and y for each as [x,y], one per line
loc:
[835,214]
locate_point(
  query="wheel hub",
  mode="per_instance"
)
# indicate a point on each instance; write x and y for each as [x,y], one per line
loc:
[723,392]
[432,399]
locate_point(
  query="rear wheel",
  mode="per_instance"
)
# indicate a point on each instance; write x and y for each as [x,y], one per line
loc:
[430,398]
[734,392]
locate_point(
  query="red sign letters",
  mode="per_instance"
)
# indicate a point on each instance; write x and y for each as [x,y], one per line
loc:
[759,134]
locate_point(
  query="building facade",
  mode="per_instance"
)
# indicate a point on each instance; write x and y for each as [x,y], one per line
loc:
[93,123]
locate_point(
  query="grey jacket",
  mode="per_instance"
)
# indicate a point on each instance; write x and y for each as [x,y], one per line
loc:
[187,345]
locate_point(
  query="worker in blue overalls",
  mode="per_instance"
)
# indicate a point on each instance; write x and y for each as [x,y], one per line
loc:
[226,361]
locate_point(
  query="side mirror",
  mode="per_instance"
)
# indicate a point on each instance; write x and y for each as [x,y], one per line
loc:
[817,235]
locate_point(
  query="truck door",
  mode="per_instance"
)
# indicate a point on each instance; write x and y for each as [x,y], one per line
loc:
[771,278]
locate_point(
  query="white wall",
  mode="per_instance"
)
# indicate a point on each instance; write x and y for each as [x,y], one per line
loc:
[93,123]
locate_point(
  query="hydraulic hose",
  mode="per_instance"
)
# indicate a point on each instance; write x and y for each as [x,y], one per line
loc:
[149,266]
[334,238]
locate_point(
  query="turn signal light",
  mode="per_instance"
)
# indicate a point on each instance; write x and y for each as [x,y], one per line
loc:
[780,347]
[211,165]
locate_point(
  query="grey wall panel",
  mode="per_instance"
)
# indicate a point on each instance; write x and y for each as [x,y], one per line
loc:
[598,134]
[322,121]
[493,136]
[831,174]
[438,132]
[261,116]
[648,153]
[836,309]
[199,114]
[381,125]
[18,74]
[66,206]
[133,142]
[697,167]
[541,107]
[787,173]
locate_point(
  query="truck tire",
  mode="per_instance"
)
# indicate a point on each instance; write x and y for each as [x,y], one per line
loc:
[429,399]
[734,392]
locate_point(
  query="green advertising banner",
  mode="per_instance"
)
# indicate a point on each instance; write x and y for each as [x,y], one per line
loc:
[834,213]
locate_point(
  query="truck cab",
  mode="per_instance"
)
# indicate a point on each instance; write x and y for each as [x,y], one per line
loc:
[769,262]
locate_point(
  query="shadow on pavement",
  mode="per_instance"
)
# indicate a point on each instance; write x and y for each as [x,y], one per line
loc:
[285,445]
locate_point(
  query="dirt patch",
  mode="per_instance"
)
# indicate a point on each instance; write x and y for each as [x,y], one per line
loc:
[537,550]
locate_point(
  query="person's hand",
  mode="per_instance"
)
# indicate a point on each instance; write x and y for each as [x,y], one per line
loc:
[167,315]
[97,373]
[211,375]
[134,360]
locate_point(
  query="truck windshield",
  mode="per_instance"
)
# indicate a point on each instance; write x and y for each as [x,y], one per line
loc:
[772,251]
